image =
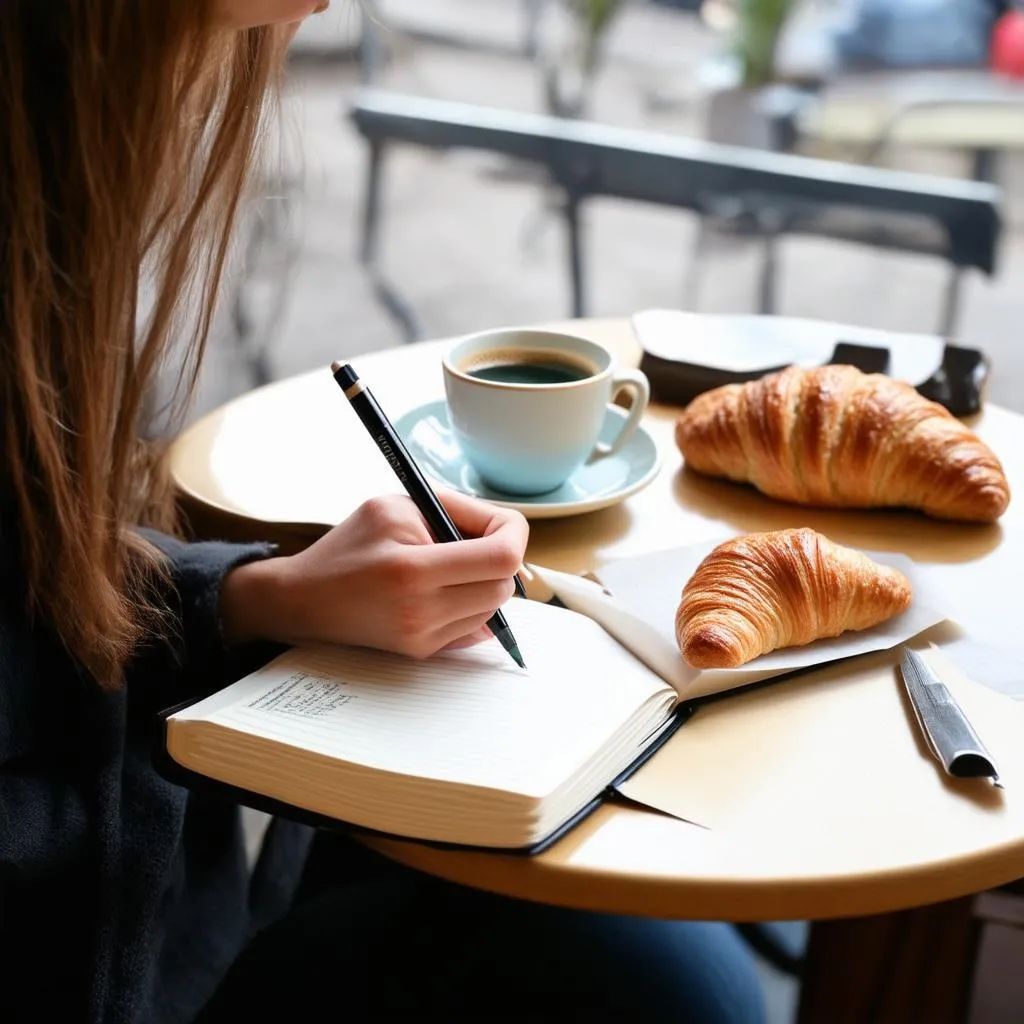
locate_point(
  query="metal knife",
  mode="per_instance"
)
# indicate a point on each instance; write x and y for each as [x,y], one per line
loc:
[949,734]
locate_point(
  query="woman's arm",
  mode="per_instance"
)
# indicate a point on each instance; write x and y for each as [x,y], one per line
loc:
[198,571]
[379,580]
[376,580]
[195,654]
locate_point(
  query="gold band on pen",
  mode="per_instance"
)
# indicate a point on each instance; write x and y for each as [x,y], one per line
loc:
[354,389]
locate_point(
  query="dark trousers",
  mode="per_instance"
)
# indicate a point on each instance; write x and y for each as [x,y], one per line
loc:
[369,940]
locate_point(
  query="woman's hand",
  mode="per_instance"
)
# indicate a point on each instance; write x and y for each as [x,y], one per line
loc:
[379,580]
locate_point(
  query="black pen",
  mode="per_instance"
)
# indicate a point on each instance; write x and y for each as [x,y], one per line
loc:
[399,459]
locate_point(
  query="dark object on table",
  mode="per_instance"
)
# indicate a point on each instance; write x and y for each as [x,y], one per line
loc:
[867,358]
[957,384]
[678,382]
[959,381]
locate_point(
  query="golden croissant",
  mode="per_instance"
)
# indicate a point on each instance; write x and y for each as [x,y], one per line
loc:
[833,436]
[765,591]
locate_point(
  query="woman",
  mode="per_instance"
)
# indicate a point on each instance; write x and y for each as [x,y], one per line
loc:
[127,128]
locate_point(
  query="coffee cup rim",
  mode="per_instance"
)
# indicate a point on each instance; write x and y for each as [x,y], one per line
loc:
[450,367]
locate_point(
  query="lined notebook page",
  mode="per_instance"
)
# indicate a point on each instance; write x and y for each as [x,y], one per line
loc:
[470,716]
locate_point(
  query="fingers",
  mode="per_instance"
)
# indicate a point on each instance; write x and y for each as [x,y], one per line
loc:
[471,561]
[473,517]
[478,519]
[395,517]
[494,548]
[464,633]
[450,614]
[460,602]
[479,636]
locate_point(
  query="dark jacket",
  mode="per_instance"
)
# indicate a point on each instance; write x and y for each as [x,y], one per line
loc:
[122,897]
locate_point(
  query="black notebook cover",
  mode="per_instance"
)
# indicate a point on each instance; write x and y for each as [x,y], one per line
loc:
[181,776]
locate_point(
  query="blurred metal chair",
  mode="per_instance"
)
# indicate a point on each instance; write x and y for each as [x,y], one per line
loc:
[866,115]
[769,193]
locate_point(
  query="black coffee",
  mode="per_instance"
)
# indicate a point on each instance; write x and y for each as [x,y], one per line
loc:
[532,372]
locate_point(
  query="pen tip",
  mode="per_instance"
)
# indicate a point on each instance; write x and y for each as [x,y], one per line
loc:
[335,366]
[517,657]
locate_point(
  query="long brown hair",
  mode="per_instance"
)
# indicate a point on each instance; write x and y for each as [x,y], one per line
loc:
[127,131]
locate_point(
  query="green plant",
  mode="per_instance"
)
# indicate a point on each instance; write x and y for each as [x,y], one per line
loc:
[569,80]
[593,18]
[759,27]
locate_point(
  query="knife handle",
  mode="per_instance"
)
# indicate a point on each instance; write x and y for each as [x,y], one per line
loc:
[950,735]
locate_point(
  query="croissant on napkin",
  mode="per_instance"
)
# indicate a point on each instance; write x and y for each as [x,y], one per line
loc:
[765,591]
[835,437]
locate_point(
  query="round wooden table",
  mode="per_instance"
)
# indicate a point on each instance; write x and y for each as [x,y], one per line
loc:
[819,799]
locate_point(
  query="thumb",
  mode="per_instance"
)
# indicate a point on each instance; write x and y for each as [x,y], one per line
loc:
[470,640]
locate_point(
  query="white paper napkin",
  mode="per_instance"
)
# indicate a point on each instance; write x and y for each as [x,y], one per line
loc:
[640,595]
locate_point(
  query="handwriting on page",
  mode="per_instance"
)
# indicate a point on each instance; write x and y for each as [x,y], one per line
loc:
[304,695]
[467,715]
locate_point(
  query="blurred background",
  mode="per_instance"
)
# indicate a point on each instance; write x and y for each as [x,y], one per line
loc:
[468,238]
[400,205]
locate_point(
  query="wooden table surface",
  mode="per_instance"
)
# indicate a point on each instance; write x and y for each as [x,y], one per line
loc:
[814,797]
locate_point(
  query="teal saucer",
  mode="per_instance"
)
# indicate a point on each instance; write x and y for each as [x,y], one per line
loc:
[428,436]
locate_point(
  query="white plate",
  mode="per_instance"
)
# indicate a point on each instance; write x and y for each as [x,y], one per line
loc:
[428,436]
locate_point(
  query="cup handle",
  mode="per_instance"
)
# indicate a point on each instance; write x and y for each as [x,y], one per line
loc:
[637,383]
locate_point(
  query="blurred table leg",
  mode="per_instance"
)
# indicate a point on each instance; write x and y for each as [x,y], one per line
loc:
[913,965]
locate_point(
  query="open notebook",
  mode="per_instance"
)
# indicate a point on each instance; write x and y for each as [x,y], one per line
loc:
[466,748]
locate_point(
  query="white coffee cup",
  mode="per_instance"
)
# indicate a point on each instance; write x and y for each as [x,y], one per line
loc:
[527,406]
